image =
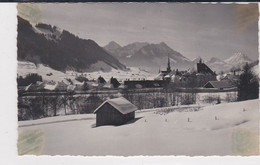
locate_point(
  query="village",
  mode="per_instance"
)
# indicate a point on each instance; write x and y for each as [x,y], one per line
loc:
[202,77]
[168,88]
[166,79]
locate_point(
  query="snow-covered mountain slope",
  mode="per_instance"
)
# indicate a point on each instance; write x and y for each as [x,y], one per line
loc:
[24,68]
[235,61]
[238,59]
[224,129]
[60,50]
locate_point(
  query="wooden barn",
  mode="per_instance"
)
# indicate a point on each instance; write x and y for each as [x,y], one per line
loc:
[116,111]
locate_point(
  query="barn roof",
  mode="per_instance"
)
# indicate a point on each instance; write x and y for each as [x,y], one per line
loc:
[121,104]
[220,84]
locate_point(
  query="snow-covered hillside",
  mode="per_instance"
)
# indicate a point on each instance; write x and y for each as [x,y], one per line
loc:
[25,68]
[225,129]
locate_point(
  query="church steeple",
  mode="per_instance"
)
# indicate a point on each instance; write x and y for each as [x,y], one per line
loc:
[200,61]
[169,65]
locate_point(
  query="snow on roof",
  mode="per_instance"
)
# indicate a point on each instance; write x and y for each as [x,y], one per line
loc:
[200,74]
[121,104]
[158,77]
[50,87]
[107,85]
[71,87]
[27,87]
[36,86]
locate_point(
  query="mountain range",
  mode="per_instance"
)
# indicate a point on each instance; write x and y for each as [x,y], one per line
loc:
[155,56]
[147,55]
[61,50]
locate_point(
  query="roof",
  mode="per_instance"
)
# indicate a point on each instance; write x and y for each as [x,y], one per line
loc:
[71,87]
[36,86]
[50,87]
[159,76]
[220,84]
[203,68]
[121,104]
[61,86]
[28,87]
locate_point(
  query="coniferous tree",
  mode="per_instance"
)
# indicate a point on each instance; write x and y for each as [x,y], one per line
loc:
[31,78]
[248,86]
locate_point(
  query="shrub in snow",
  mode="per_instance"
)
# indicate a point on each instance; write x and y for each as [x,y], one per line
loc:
[212,98]
[231,97]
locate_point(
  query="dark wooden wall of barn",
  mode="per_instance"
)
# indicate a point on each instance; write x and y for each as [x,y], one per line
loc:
[108,115]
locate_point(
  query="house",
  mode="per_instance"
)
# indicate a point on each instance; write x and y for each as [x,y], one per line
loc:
[233,78]
[219,84]
[50,86]
[204,74]
[203,68]
[116,111]
[36,87]
[61,86]
[188,77]
[114,83]
[101,82]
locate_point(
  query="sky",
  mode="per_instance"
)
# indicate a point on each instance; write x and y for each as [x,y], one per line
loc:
[205,30]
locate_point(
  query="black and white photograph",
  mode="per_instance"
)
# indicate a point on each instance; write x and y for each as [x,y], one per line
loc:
[137,79]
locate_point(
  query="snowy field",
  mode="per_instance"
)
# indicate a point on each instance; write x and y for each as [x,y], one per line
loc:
[224,129]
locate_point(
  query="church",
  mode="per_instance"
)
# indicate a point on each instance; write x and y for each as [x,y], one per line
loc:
[176,78]
[169,70]
[187,78]
[204,74]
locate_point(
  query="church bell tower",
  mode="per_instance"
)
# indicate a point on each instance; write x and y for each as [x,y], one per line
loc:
[169,65]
